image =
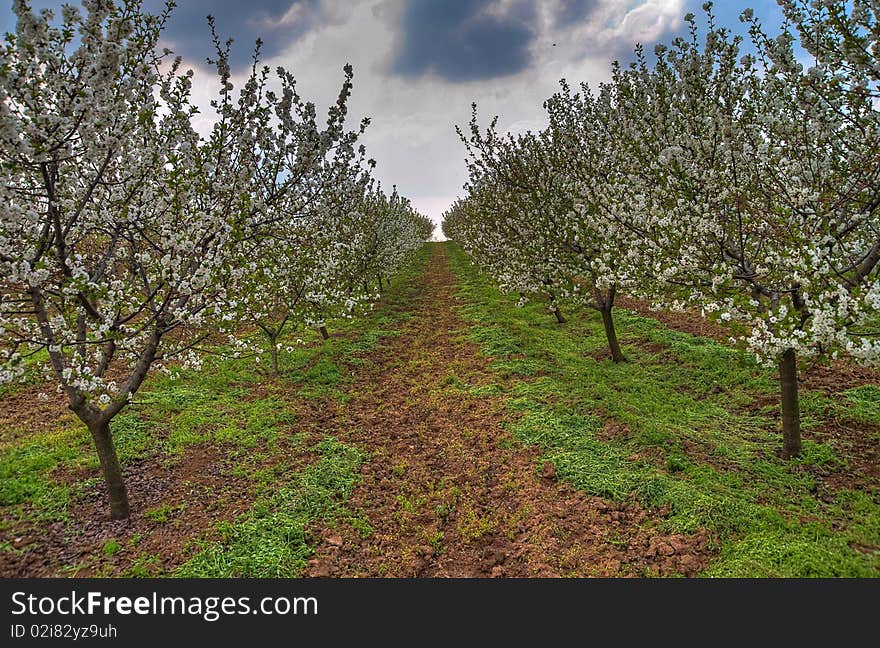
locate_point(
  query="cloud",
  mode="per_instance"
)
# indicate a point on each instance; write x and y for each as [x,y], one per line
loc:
[573,11]
[467,40]
[276,22]
[412,134]
[414,74]
[612,28]
[477,40]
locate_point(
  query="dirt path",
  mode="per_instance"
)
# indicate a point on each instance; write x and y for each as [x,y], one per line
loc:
[448,492]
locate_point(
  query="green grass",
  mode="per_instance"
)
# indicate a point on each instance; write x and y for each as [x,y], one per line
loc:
[863,403]
[273,539]
[231,403]
[676,429]
[111,547]
[683,433]
[164,512]
[26,475]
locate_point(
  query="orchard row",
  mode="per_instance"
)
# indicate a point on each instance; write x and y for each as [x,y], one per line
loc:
[130,241]
[738,176]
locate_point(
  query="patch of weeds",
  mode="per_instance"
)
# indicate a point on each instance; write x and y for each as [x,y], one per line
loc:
[472,526]
[111,547]
[863,403]
[71,571]
[26,472]
[695,444]
[676,463]
[453,381]
[410,505]
[361,525]
[161,514]
[273,539]
[436,542]
[144,566]
[485,391]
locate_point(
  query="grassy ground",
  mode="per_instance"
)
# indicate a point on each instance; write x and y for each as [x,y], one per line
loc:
[237,473]
[274,471]
[675,428]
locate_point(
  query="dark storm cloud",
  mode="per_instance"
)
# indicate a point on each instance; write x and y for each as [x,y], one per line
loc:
[571,12]
[461,41]
[243,21]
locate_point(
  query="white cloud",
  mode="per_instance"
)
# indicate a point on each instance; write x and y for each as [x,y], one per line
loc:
[412,134]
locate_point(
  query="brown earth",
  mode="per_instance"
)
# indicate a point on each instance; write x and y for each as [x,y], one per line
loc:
[197,489]
[852,439]
[448,492]
[30,411]
[831,377]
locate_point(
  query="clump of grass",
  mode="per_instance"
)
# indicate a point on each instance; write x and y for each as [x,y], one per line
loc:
[273,540]
[144,566]
[694,445]
[111,547]
[164,512]
[26,473]
[472,526]
[863,403]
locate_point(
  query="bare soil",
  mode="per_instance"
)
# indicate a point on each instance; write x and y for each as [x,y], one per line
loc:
[198,489]
[853,440]
[448,492]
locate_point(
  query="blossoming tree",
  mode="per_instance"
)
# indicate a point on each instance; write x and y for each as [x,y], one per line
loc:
[536,223]
[122,234]
[767,171]
[744,186]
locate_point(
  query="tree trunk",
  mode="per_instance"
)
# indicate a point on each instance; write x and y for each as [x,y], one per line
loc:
[119,509]
[323,330]
[611,334]
[559,318]
[379,280]
[791,415]
[273,350]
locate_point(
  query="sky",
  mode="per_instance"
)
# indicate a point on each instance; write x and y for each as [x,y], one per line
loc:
[419,64]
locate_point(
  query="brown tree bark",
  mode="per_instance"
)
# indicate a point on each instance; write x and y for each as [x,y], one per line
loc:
[273,351]
[791,415]
[98,422]
[604,303]
[556,312]
[611,334]
[324,334]
[116,491]
[272,335]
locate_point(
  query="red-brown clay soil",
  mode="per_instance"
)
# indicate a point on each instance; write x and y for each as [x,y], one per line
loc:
[852,438]
[448,492]
[832,378]
[198,489]
[30,411]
